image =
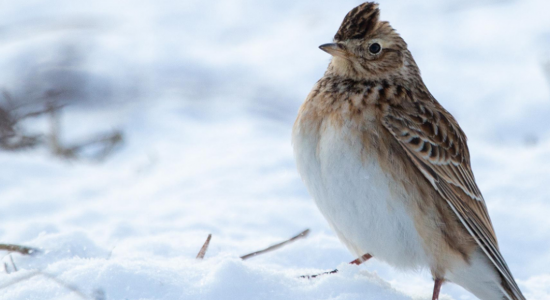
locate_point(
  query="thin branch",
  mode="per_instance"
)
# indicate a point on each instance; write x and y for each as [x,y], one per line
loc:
[13,264]
[49,109]
[202,252]
[316,275]
[356,261]
[302,234]
[111,252]
[19,249]
[361,259]
[14,138]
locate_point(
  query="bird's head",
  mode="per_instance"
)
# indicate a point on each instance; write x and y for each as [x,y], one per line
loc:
[365,47]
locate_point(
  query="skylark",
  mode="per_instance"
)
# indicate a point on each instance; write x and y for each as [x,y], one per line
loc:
[389,167]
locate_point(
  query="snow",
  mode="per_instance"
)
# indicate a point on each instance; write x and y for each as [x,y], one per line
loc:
[206,96]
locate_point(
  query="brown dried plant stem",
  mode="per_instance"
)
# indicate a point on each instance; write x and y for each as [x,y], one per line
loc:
[204,247]
[19,249]
[356,261]
[302,234]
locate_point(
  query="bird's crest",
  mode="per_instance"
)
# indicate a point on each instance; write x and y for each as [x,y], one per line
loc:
[359,22]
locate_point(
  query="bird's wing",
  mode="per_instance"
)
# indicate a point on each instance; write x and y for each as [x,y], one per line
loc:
[437,146]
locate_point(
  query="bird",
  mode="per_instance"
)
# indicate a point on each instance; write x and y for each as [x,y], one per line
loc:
[389,167]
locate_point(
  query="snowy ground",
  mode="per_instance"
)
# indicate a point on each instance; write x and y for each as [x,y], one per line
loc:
[209,94]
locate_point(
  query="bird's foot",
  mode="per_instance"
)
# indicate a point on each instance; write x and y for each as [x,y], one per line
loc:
[357,261]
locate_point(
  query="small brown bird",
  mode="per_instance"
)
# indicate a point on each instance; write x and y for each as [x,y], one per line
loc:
[389,167]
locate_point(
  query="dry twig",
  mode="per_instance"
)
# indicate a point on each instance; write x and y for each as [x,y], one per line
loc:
[202,252]
[302,234]
[19,249]
[14,138]
[13,264]
[356,261]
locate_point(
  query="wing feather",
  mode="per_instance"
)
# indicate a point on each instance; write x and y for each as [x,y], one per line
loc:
[437,146]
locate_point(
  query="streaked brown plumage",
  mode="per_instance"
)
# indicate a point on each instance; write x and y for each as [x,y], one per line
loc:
[372,109]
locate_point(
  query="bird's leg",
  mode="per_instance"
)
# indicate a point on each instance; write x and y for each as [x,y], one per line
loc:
[437,287]
[361,259]
[356,261]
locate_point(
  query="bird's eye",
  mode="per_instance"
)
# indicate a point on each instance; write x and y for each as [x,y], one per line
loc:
[375,48]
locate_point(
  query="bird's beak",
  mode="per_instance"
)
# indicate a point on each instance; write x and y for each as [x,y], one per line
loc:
[334,49]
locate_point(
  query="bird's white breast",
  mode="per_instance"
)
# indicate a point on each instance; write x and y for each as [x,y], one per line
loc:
[364,205]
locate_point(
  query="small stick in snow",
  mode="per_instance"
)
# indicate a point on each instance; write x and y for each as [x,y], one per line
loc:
[13,264]
[324,273]
[204,247]
[111,252]
[19,249]
[356,261]
[302,234]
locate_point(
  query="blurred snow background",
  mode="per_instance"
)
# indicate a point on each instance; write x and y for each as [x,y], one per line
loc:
[189,106]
